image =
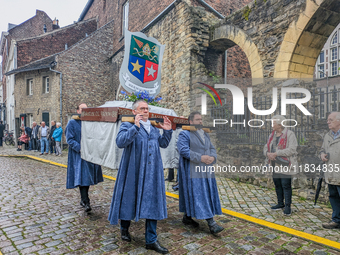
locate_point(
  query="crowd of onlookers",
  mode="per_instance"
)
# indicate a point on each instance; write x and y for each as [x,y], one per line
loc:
[41,138]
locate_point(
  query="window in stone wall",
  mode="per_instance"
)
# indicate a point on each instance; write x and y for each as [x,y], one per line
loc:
[46,85]
[335,39]
[29,87]
[321,71]
[125,21]
[334,54]
[334,68]
[322,57]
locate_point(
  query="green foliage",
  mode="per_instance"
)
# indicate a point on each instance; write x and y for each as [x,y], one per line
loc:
[215,77]
[246,13]
[302,198]
[302,141]
[247,10]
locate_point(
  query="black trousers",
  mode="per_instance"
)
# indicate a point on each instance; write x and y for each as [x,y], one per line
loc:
[0,141]
[334,199]
[283,188]
[84,194]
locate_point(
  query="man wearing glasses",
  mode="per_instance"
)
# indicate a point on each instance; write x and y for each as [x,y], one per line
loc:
[139,191]
[331,145]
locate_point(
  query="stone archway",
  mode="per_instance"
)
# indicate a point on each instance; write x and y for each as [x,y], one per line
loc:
[227,36]
[305,38]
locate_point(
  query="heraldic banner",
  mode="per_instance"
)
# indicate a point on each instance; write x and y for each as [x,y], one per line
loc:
[141,68]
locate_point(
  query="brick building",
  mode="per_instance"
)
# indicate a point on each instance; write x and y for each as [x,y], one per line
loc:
[28,50]
[183,26]
[32,27]
[81,73]
[38,47]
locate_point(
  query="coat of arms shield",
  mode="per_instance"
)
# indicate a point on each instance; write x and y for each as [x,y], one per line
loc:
[141,67]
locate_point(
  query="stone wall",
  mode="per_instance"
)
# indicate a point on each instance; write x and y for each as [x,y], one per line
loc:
[185,35]
[29,50]
[40,101]
[141,13]
[86,71]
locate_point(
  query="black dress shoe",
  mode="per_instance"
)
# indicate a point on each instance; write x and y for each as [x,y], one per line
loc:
[189,221]
[82,204]
[87,208]
[125,235]
[157,248]
[214,229]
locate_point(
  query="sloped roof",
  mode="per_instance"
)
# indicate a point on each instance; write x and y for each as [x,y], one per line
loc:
[36,65]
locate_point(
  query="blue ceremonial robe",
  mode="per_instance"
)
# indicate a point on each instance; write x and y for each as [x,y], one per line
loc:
[139,190]
[198,193]
[79,171]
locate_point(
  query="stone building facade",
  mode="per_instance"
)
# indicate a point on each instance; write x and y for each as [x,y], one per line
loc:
[35,26]
[183,27]
[85,70]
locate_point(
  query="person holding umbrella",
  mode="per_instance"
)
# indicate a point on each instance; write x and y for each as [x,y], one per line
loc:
[281,150]
[331,145]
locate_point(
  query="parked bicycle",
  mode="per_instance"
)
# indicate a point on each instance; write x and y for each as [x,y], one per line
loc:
[9,138]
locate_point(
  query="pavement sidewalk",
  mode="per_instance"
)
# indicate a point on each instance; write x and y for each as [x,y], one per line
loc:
[244,198]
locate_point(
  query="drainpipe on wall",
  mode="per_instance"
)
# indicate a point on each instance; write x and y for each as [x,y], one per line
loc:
[225,66]
[61,101]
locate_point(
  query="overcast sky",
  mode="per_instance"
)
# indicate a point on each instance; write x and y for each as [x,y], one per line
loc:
[18,11]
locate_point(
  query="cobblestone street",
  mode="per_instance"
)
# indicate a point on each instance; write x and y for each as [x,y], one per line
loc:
[39,216]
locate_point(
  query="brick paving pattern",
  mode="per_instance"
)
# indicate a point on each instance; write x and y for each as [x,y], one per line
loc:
[38,215]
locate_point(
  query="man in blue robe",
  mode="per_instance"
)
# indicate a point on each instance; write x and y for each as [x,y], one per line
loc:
[139,191]
[80,173]
[198,193]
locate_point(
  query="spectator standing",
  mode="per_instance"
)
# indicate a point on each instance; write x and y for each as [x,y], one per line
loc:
[331,145]
[34,136]
[51,141]
[2,128]
[57,135]
[282,144]
[43,134]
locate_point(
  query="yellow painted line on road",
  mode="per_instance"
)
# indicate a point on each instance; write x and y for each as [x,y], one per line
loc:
[172,195]
[242,216]
[109,177]
[284,229]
